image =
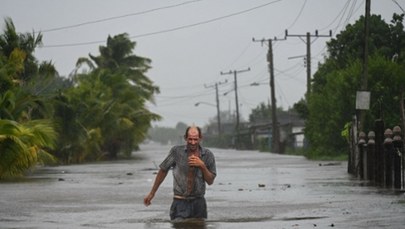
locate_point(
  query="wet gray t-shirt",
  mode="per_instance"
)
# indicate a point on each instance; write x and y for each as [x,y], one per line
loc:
[177,159]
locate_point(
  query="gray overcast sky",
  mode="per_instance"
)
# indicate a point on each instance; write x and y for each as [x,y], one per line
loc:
[196,40]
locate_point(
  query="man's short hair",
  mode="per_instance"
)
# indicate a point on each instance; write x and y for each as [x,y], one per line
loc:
[188,128]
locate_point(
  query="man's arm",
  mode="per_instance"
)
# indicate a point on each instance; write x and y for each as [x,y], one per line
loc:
[207,174]
[160,177]
[209,177]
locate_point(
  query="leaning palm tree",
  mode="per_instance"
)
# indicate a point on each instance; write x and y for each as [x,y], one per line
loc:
[23,146]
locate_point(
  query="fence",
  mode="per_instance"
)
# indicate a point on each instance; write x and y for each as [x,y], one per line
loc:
[378,156]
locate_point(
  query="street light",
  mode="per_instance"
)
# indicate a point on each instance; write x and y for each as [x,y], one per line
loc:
[209,104]
[258,84]
[218,113]
[226,93]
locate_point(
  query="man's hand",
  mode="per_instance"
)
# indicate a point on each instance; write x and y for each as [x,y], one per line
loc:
[195,161]
[158,180]
[147,200]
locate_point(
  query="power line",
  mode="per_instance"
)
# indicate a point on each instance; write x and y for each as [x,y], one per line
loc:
[298,16]
[293,76]
[241,54]
[350,14]
[282,93]
[340,14]
[171,29]
[185,96]
[117,17]
[399,5]
[177,88]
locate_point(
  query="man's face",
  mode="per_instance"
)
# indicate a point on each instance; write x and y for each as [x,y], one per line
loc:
[193,139]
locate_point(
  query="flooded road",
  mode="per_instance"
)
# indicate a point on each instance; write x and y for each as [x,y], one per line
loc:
[252,190]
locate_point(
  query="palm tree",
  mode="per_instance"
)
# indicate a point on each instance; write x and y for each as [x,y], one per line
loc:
[23,146]
[117,57]
[24,133]
[123,89]
[11,40]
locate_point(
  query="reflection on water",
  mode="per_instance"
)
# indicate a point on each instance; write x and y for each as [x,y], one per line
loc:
[189,224]
[181,224]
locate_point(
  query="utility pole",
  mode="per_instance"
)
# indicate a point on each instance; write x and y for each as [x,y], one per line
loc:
[235,72]
[308,58]
[217,103]
[363,86]
[365,53]
[275,140]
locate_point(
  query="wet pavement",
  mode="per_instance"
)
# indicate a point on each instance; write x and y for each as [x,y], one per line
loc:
[252,190]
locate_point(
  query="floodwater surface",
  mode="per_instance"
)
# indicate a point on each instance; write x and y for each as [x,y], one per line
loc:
[252,190]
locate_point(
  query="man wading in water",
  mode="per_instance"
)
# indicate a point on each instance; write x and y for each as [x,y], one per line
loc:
[193,166]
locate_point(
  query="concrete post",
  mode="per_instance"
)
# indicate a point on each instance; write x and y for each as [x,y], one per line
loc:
[388,151]
[379,152]
[371,156]
[360,158]
[398,150]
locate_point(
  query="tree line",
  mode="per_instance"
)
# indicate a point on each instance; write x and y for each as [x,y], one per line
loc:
[331,105]
[97,113]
